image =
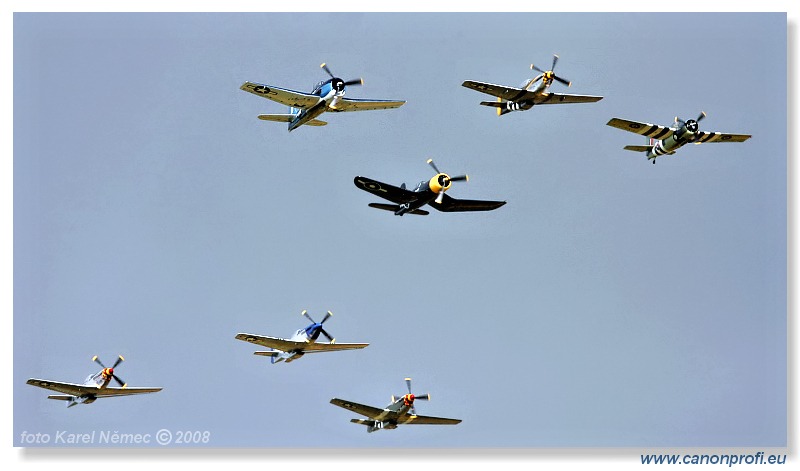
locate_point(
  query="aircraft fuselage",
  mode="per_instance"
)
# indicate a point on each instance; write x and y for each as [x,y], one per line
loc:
[328,91]
[426,192]
[680,137]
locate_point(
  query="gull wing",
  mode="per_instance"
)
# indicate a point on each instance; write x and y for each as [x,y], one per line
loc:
[645,129]
[292,346]
[384,190]
[359,104]
[451,205]
[283,96]
[82,390]
[703,136]
[369,411]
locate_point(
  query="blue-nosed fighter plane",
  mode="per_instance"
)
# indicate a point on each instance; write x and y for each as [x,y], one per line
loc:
[396,413]
[303,341]
[521,99]
[663,140]
[327,95]
[95,386]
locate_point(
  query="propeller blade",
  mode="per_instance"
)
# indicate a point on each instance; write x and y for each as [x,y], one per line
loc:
[119,360]
[97,360]
[325,67]
[701,116]
[440,197]
[326,334]
[413,410]
[564,81]
[327,315]
[119,381]
[533,67]
[460,178]
[679,121]
[430,162]
[408,384]
[424,397]
[359,81]
[305,313]
[555,59]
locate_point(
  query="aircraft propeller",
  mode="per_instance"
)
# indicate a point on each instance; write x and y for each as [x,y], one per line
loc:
[445,180]
[110,371]
[409,398]
[318,325]
[548,74]
[338,83]
[691,125]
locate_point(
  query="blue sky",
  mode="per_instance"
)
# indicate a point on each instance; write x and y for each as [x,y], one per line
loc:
[610,303]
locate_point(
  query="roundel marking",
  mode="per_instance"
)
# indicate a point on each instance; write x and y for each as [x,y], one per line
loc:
[634,125]
[725,138]
[371,186]
[261,89]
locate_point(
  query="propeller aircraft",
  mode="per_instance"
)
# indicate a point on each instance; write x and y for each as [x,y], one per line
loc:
[663,140]
[396,413]
[327,95]
[521,99]
[427,192]
[95,386]
[303,341]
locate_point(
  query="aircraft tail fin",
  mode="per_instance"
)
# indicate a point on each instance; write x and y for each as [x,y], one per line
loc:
[396,207]
[287,118]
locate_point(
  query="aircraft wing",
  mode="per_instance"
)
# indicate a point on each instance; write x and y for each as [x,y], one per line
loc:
[356,104]
[110,392]
[369,411]
[499,91]
[519,94]
[558,98]
[292,346]
[82,390]
[450,205]
[427,420]
[384,190]
[703,137]
[283,96]
[645,129]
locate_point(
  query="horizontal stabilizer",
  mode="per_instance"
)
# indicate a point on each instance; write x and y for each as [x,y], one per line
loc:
[287,118]
[271,353]
[369,423]
[60,397]
[494,104]
[638,148]
[396,207]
